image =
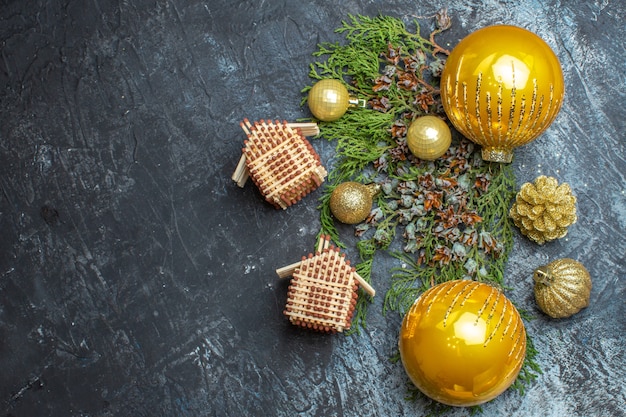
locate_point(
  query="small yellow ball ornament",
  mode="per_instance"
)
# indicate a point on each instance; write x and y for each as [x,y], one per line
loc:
[501,87]
[351,202]
[328,100]
[428,137]
[462,343]
[562,288]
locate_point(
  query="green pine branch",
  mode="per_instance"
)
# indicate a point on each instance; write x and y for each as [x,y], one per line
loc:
[396,71]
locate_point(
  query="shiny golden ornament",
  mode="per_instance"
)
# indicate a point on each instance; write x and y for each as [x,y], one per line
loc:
[329,100]
[562,288]
[544,209]
[462,343]
[428,137]
[501,87]
[351,202]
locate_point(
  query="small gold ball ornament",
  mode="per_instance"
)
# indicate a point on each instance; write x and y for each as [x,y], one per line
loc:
[562,288]
[462,343]
[351,202]
[328,100]
[428,137]
[543,210]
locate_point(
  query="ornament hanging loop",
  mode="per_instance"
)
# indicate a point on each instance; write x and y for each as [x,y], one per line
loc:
[542,276]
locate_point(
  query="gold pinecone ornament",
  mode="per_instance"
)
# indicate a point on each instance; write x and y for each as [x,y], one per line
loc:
[543,210]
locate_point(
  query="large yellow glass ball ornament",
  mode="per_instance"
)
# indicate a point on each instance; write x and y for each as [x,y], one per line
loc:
[428,137]
[501,87]
[462,343]
[328,100]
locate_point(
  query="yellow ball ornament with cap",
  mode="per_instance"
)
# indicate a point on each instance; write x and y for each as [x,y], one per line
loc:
[329,99]
[428,137]
[351,202]
[501,87]
[462,343]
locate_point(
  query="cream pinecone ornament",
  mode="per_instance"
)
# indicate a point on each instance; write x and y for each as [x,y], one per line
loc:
[544,209]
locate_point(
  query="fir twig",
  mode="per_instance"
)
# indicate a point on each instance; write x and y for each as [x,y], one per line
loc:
[451,214]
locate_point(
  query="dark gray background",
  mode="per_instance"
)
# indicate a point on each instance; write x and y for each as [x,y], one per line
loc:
[154,292]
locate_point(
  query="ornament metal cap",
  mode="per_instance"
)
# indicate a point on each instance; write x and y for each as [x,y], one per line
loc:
[357,102]
[497,155]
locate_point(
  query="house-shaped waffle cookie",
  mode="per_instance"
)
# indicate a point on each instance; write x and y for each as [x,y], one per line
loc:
[280,161]
[323,291]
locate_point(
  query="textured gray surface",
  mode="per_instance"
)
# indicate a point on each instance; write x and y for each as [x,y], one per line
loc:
[154,292]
